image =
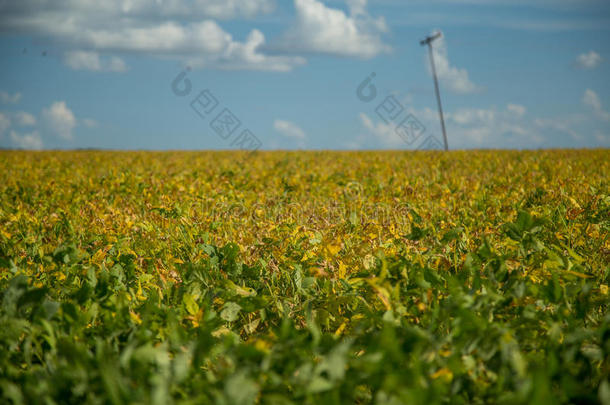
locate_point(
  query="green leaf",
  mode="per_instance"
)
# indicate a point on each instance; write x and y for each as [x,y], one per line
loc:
[241,390]
[230,311]
[189,303]
[604,392]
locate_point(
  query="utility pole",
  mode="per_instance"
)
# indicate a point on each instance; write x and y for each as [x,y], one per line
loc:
[428,41]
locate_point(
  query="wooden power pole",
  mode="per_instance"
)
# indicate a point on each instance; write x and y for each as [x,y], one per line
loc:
[428,41]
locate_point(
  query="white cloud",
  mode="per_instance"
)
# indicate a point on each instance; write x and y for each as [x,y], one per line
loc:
[30,140]
[466,128]
[225,9]
[591,99]
[289,129]
[385,133]
[83,60]
[116,64]
[232,55]
[154,11]
[25,119]
[560,125]
[455,79]
[57,120]
[222,9]
[7,98]
[89,123]
[321,29]
[201,44]
[469,116]
[176,29]
[357,7]
[89,60]
[512,126]
[602,138]
[60,119]
[492,127]
[589,60]
[516,109]
[20,118]
[5,123]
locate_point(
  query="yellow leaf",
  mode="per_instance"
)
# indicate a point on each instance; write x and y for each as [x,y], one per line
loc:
[135,317]
[222,331]
[382,294]
[445,353]
[98,256]
[140,294]
[342,270]
[333,249]
[340,329]
[308,255]
[443,373]
[262,345]
[577,274]
[573,201]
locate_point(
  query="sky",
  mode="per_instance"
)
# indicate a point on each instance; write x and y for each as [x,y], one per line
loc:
[303,74]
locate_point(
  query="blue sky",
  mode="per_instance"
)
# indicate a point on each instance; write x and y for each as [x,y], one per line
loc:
[513,74]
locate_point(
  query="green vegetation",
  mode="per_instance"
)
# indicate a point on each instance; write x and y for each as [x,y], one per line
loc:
[316,278]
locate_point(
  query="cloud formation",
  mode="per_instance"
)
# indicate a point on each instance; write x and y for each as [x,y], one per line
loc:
[591,99]
[93,33]
[321,29]
[289,129]
[8,98]
[492,127]
[25,119]
[454,79]
[60,119]
[177,29]
[508,127]
[25,131]
[383,132]
[5,123]
[30,140]
[26,12]
[516,109]
[228,54]
[589,60]
[89,60]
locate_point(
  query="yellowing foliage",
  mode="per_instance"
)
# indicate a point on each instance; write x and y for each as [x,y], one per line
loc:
[306,277]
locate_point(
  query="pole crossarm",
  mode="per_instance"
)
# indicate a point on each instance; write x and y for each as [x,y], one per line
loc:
[428,40]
